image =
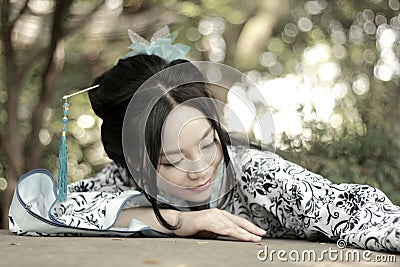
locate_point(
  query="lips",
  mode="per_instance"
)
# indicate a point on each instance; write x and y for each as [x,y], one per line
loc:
[201,187]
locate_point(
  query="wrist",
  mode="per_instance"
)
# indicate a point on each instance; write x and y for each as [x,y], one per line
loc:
[173,217]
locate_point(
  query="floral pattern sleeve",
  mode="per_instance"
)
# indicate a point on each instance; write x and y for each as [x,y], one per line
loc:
[111,179]
[92,205]
[289,201]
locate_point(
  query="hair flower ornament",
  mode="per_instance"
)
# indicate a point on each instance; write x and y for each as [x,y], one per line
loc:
[160,45]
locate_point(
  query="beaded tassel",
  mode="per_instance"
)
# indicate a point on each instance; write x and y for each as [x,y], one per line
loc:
[63,156]
[63,153]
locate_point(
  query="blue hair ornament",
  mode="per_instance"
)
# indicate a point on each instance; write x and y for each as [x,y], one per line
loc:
[62,179]
[160,45]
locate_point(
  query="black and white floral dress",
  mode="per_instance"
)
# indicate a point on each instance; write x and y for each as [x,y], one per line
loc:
[279,196]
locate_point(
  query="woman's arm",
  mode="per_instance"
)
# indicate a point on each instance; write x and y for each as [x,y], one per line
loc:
[288,200]
[147,216]
[193,222]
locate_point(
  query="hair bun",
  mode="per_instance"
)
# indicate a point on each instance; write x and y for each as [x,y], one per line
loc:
[110,100]
[119,84]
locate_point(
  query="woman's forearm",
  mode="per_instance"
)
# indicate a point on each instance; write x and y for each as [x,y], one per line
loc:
[147,216]
[192,223]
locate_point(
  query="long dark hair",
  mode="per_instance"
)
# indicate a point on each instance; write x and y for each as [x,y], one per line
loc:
[111,100]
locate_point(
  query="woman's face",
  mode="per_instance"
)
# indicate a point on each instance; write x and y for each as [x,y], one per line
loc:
[190,155]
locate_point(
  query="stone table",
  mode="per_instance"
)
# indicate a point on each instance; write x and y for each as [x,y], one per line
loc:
[180,252]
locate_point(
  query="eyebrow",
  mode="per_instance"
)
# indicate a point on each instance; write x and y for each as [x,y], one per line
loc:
[179,151]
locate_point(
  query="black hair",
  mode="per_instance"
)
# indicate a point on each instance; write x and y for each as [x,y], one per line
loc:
[111,100]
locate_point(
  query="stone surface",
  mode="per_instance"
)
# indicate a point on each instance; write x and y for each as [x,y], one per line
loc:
[178,252]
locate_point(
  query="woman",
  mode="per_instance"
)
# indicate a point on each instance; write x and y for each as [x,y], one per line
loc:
[190,121]
[176,171]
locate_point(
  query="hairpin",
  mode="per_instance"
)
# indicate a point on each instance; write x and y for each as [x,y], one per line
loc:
[62,181]
[160,45]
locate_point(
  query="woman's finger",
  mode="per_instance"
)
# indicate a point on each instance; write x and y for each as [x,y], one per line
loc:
[242,234]
[246,224]
[228,226]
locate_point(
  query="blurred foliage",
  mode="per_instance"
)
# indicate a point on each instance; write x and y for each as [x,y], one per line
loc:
[364,148]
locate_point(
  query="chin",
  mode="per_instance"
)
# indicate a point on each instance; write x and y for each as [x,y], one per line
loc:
[197,198]
[201,200]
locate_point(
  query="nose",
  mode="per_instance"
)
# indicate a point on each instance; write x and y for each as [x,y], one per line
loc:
[197,173]
[199,167]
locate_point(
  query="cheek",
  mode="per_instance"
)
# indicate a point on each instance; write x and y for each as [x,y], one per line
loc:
[219,155]
[170,181]
[169,175]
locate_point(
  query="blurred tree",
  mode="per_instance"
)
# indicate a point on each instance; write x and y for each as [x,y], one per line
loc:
[44,55]
[352,49]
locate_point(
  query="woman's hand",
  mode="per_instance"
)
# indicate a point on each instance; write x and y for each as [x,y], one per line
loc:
[200,223]
[219,222]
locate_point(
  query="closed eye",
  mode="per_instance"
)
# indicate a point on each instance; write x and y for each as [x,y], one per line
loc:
[171,164]
[210,145]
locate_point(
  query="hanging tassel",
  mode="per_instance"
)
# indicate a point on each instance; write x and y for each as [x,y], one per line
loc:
[63,157]
[63,153]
